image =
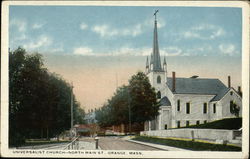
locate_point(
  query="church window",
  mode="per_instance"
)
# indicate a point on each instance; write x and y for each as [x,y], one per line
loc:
[231,106]
[187,123]
[178,104]
[178,124]
[159,95]
[205,108]
[166,126]
[159,79]
[205,121]
[214,106]
[188,108]
[231,93]
[197,122]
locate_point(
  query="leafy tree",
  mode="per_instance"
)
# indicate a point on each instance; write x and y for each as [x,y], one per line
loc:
[143,99]
[39,101]
[138,98]
[104,115]
[234,108]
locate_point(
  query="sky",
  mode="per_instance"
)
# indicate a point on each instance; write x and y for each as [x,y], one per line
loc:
[98,48]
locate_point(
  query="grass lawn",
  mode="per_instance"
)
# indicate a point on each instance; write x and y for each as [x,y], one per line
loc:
[187,144]
[228,123]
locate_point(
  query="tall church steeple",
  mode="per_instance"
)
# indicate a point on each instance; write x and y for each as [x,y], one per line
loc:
[156,61]
[157,72]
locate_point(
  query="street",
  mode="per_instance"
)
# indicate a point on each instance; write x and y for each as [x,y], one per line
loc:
[116,143]
[88,143]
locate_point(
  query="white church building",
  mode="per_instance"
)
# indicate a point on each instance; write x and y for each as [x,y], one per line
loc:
[187,101]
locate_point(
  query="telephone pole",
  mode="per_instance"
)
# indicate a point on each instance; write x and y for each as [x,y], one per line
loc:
[71,105]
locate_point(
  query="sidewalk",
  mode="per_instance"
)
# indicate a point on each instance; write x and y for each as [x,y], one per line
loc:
[163,147]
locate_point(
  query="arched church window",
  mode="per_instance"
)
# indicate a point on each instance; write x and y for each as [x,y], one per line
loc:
[159,95]
[159,79]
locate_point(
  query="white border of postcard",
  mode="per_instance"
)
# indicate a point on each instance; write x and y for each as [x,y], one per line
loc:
[5,152]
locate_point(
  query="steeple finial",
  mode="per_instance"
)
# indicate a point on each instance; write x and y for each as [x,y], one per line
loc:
[156,11]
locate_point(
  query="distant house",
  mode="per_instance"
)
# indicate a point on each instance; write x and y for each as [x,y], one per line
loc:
[86,129]
[188,101]
[90,117]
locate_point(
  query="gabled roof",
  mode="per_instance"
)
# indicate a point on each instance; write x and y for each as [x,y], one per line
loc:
[202,86]
[165,101]
[220,95]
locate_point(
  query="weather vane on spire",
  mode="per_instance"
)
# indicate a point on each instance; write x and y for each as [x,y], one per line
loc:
[156,11]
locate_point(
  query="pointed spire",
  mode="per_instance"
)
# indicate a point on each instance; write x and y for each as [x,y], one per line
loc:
[151,59]
[156,55]
[147,65]
[164,61]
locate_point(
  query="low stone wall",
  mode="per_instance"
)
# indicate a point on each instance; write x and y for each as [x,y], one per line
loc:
[208,134]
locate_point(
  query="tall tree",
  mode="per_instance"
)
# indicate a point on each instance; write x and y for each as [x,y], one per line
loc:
[39,101]
[137,100]
[143,101]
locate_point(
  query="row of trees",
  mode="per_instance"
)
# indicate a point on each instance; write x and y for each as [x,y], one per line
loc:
[39,101]
[136,101]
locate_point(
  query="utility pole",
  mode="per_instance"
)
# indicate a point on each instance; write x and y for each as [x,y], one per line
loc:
[129,118]
[129,111]
[71,104]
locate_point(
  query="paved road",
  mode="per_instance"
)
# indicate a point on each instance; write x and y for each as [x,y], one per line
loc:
[116,143]
[88,143]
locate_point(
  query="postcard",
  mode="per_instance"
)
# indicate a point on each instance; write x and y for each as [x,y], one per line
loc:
[124,79]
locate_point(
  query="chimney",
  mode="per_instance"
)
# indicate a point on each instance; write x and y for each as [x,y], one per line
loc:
[229,81]
[239,91]
[173,86]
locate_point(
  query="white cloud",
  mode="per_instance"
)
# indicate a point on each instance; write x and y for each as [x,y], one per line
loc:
[21,25]
[38,25]
[20,38]
[127,51]
[83,51]
[107,31]
[228,49]
[124,51]
[171,51]
[42,41]
[104,30]
[190,34]
[204,32]
[83,26]
[58,49]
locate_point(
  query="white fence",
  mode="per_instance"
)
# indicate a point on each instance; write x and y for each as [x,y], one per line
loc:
[208,134]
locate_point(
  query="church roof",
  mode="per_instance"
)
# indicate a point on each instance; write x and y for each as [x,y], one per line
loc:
[199,86]
[165,101]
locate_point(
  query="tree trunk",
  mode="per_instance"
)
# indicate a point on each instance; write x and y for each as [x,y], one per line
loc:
[47,133]
[41,133]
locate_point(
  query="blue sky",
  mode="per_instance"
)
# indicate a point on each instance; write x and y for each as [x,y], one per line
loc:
[102,31]
[100,48]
